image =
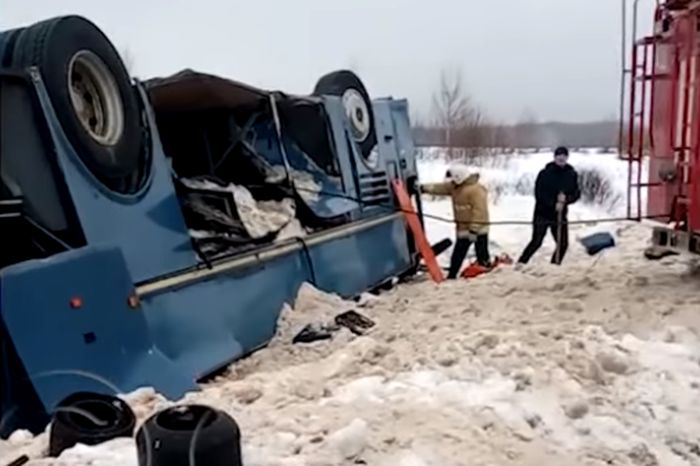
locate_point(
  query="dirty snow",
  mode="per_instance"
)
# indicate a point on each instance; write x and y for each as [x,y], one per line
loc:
[293,229]
[259,218]
[596,362]
[306,185]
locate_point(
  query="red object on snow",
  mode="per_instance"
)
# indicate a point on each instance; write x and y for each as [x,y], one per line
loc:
[474,269]
[417,230]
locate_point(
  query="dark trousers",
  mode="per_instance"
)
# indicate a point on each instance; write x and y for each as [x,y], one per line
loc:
[459,253]
[560,232]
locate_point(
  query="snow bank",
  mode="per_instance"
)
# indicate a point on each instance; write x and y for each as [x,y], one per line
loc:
[511,185]
[515,175]
[592,363]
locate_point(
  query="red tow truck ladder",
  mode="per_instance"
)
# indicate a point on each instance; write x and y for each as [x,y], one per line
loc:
[641,108]
[682,73]
[671,78]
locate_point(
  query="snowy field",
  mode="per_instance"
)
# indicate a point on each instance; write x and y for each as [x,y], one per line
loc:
[596,362]
[511,184]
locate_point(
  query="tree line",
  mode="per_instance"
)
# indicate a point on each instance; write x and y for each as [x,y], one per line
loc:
[459,124]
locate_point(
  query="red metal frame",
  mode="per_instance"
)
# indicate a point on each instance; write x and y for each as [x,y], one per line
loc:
[669,120]
[636,134]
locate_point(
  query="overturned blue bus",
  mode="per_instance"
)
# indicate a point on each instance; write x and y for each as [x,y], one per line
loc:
[147,235]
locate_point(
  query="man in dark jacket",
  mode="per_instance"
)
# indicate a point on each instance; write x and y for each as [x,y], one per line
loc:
[556,187]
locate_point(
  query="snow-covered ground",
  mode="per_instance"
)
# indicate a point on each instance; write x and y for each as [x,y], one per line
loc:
[511,183]
[596,362]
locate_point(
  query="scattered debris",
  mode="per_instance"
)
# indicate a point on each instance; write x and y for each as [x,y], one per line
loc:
[22,460]
[354,321]
[431,381]
[351,320]
[597,242]
[314,332]
[656,253]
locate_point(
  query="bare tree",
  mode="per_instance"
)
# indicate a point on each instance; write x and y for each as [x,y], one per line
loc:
[464,123]
[472,134]
[451,106]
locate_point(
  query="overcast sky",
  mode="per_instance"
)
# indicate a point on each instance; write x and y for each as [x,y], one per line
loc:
[559,58]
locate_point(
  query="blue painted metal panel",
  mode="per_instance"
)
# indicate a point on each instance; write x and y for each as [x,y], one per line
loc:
[104,345]
[186,332]
[208,324]
[386,139]
[332,200]
[339,128]
[403,137]
[351,264]
[148,226]
[266,143]
[20,407]
[205,325]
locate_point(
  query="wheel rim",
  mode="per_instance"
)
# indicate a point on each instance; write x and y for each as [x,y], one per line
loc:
[95,97]
[358,114]
[93,415]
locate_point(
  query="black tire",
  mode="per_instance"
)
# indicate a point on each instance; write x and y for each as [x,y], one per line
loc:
[69,50]
[7,46]
[167,437]
[90,419]
[338,83]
